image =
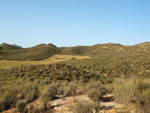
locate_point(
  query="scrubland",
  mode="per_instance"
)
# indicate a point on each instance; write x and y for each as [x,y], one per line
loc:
[110,73]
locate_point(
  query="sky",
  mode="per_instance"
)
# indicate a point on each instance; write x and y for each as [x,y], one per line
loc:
[74,22]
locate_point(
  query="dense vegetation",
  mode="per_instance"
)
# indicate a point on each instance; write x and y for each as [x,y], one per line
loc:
[49,72]
[115,66]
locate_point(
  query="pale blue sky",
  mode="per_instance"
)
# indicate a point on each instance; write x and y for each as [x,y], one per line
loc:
[74,22]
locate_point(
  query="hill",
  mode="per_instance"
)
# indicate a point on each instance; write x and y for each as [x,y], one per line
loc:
[43,51]
[38,52]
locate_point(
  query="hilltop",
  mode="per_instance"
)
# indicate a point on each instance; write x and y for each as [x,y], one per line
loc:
[6,46]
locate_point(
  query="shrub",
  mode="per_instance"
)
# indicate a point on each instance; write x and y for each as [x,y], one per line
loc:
[143,86]
[50,91]
[71,90]
[95,91]
[142,98]
[29,92]
[60,90]
[21,74]
[1,106]
[95,94]
[85,107]
[44,102]
[73,58]
[21,106]
[32,94]
[81,89]
[94,84]
[9,99]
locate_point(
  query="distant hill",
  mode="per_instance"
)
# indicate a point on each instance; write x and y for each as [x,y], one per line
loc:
[106,49]
[6,46]
[44,51]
